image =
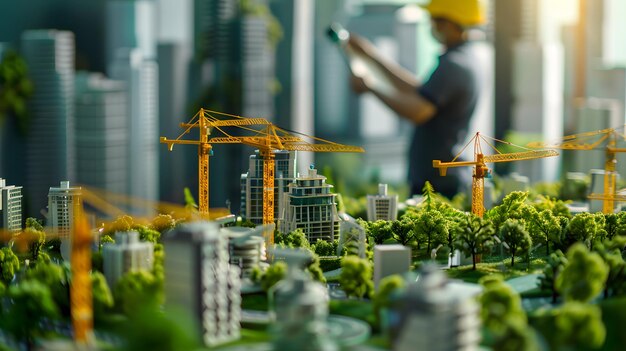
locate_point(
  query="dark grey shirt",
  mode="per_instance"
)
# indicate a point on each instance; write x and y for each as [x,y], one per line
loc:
[453,88]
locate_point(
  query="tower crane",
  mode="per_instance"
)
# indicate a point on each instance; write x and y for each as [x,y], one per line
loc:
[604,139]
[266,137]
[480,165]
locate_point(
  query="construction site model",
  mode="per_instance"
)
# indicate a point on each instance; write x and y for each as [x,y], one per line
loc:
[534,270]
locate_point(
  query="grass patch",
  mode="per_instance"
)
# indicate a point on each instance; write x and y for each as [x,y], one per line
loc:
[503,267]
[248,336]
[359,309]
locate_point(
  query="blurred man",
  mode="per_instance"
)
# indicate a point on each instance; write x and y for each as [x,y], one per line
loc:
[441,107]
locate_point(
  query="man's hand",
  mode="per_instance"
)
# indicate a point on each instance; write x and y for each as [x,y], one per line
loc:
[358,84]
[361,46]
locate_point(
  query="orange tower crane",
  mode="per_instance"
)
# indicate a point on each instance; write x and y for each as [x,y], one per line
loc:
[604,139]
[480,165]
[267,138]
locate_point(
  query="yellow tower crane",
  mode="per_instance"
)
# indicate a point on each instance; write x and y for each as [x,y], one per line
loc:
[480,165]
[604,139]
[267,138]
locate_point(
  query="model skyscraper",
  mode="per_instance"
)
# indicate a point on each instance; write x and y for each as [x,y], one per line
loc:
[200,280]
[127,254]
[49,55]
[62,202]
[382,206]
[10,207]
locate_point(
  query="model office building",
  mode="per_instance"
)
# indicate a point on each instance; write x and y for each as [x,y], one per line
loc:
[126,255]
[311,206]
[252,184]
[382,206]
[10,207]
[62,201]
[200,280]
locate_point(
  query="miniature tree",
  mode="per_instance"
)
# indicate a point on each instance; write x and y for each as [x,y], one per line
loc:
[9,265]
[543,226]
[582,228]
[500,305]
[555,206]
[55,277]
[323,248]
[102,297]
[356,277]
[31,240]
[386,288]
[513,207]
[122,223]
[274,273]
[584,275]
[379,231]
[147,234]
[474,234]
[554,267]
[15,89]
[573,326]
[34,223]
[432,227]
[163,222]
[31,304]
[137,288]
[403,230]
[516,237]
[610,251]
[315,270]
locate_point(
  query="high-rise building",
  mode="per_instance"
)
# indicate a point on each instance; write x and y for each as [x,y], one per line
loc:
[252,184]
[140,76]
[126,255]
[101,133]
[200,281]
[390,259]
[131,24]
[10,207]
[436,314]
[62,201]
[49,55]
[382,206]
[311,206]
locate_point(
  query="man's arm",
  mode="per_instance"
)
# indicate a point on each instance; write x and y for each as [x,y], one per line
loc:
[405,100]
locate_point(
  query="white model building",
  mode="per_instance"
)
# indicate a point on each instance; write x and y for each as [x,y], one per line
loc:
[61,204]
[436,314]
[390,259]
[382,206]
[10,207]
[200,281]
[351,236]
[299,308]
[252,184]
[126,255]
[311,206]
[246,247]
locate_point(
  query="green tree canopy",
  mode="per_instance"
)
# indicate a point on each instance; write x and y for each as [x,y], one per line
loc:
[555,264]
[9,265]
[474,235]
[501,306]
[584,275]
[516,237]
[582,228]
[102,297]
[387,287]
[611,253]
[276,272]
[356,277]
[543,226]
[34,223]
[432,227]
[513,206]
[402,230]
[15,89]
[55,277]
[379,231]
[573,326]
[163,222]
[135,289]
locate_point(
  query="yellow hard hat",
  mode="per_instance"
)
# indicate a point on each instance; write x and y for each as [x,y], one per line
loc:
[466,13]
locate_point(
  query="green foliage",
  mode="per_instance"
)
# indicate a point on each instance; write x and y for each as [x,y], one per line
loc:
[9,265]
[356,277]
[402,230]
[102,297]
[190,202]
[295,239]
[330,264]
[555,206]
[615,224]
[501,306]
[554,267]
[544,227]
[276,272]
[387,287]
[150,329]
[15,89]
[432,227]
[147,234]
[611,253]
[36,240]
[136,289]
[379,231]
[55,277]
[324,248]
[106,239]
[474,235]
[582,228]
[31,304]
[121,224]
[315,270]
[516,337]
[513,206]
[516,237]
[162,223]
[34,223]
[573,326]
[584,275]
